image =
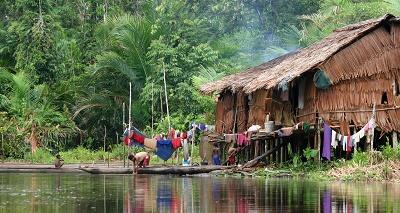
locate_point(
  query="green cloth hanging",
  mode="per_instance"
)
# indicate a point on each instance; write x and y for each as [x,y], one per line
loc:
[321,80]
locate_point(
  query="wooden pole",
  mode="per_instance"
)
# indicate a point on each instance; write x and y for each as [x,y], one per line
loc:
[166,100]
[152,110]
[193,139]
[129,113]
[373,128]
[104,138]
[130,107]
[394,139]
[161,105]
[123,129]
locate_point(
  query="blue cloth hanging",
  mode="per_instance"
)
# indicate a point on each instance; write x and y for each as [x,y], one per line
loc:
[164,149]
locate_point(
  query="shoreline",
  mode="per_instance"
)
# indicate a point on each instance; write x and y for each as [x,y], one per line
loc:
[387,171]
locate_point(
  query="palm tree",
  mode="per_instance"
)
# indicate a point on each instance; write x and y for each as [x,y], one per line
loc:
[127,40]
[30,108]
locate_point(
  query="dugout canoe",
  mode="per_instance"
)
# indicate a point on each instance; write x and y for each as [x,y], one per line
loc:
[175,170]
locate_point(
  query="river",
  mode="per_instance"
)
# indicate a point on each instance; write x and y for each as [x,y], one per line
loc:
[58,193]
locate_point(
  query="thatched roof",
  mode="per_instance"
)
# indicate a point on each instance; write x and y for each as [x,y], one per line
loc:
[288,67]
[237,81]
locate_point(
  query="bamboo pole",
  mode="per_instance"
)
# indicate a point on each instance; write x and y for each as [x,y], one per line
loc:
[130,107]
[129,112]
[161,105]
[166,99]
[152,110]
[104,138]
[123,129]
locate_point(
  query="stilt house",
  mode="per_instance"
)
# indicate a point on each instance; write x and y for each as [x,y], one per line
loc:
[337,79]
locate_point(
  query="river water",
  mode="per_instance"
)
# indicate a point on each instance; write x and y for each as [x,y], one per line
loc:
[157,193]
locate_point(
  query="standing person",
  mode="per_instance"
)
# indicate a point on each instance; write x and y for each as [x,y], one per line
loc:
[58,162]
[140,160]
[215,155]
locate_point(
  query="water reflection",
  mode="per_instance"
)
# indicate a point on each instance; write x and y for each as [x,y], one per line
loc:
[153,193]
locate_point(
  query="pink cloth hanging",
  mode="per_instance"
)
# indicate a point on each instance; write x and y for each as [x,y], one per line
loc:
[241,139]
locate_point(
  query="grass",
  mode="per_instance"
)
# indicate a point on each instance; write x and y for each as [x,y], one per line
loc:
[83,155]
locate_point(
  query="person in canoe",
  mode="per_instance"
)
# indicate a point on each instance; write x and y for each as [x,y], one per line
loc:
[58,162]
[139,160]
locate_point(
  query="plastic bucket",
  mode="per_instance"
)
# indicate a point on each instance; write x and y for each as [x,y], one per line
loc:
[269,126]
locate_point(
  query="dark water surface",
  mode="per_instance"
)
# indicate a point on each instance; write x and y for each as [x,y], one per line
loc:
[156,193]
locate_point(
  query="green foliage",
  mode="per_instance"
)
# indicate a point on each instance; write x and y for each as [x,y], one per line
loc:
[310,154]
[82,155]
[360,158]
[40,156]
[65,65]
[388,152]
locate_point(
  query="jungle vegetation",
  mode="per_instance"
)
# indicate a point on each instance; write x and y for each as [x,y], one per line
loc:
[65,65]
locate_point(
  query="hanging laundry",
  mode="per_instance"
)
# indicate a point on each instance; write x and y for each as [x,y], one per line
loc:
[171,134]
[138,138]
[339,137]
[326,150]
[361,133]
[150,143]
[135,143]
[349,144]
[164,149]
[248,138]
[285,95]
[230,138]
[254,128]
[371,123]
[334,143]
[344,143]
[176,143]
[241,139]
[184,135]
[284,132]
[190,134]
[302,87]
[126,140]
[202,127]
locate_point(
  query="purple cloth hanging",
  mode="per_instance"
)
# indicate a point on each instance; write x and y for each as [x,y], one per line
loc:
[326,149]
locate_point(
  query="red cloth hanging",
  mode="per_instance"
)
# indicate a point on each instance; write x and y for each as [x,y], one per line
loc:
[126,140]
[136,137]
[176,143]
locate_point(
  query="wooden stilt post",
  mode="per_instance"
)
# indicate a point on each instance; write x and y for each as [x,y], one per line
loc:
[256,149]
[394,139]
[319,139]
[372,129]
[355,144]
[276,152]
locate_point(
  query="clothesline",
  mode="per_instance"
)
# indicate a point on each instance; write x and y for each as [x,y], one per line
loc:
[347,140]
